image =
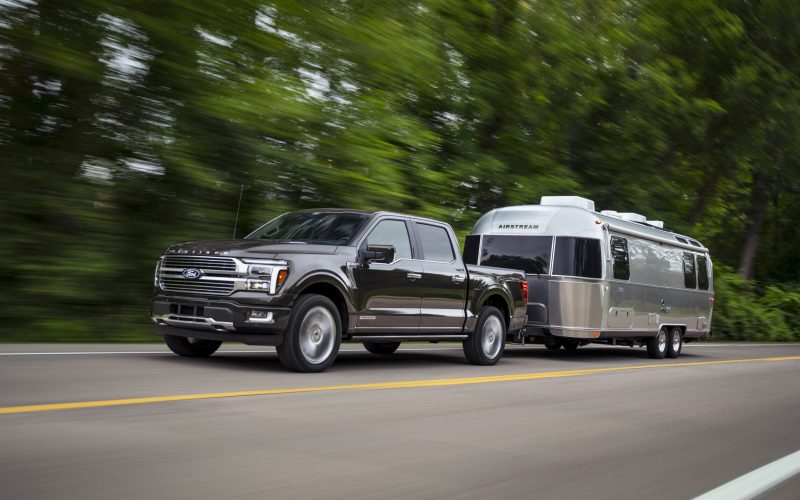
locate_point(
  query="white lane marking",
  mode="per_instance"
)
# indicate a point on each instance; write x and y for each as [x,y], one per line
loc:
[514,347]
[758,481]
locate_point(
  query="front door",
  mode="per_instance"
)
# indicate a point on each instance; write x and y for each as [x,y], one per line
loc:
[388,294]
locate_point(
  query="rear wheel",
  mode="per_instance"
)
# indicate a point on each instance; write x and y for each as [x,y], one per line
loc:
[571,344]
[675,343]
[312,339]
[657,346]
[190,347]
[485,345]
[381,347]
[553,347]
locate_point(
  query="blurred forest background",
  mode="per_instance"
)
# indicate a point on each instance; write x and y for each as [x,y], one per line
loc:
[129,125]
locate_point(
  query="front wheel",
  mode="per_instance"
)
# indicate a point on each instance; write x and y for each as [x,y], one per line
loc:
[571,344]
[191,348]
[674,342]
[485,345]
[381,347]
[312,339]
[553,347]
[657,346]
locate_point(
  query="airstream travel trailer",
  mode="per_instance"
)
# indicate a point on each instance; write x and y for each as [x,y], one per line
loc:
[609,277]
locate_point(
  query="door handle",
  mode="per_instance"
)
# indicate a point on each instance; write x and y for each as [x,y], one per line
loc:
[458,278]
[413,276]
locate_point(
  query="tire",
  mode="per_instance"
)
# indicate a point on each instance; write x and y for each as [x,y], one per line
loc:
[313,336]
[553,347]
[191,348]
[571,344]
[381,347]
[674,343]
[485,345]
[657,346]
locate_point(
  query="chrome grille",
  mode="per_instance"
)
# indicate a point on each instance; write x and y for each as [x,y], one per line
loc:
[204,286]
[205,263]
[220,275]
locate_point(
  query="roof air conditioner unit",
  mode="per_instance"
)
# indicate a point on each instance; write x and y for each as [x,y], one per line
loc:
[567,201]
[630,216]
[610,213]
[657,223]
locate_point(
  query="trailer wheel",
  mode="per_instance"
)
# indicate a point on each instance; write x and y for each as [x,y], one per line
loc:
[191,348]
[657,346]
[553,347]
[571,344]
[381,347]
[312,339]
[675,343]
[485,345]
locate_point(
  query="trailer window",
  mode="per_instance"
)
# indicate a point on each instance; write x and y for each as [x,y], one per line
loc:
[472,244]
[619,254]
[689,277]
[702,272]
[527,253]
[577,257]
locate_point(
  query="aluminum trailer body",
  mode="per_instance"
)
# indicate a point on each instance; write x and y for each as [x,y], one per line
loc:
[598,276]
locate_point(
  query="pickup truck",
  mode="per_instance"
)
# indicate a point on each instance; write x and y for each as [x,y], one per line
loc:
[308,280]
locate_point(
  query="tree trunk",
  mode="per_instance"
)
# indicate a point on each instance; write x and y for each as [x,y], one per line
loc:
[757,213]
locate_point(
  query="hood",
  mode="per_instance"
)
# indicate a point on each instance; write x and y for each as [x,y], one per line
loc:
[249,248]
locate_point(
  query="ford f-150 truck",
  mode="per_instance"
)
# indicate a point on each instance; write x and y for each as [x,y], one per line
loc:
[308,280]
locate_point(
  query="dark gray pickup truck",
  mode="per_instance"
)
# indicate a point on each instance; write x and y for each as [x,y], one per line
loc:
[308,280]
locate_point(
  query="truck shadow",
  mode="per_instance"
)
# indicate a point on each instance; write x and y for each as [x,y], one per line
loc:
[536,357]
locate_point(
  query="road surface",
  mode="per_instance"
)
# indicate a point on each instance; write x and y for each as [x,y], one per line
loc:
[598,423]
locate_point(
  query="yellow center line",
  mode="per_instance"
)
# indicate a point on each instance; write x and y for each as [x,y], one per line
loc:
[373,386]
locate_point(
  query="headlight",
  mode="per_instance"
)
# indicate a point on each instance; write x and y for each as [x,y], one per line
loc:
[266,275]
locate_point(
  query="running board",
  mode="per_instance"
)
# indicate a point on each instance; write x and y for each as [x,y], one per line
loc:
[405,338]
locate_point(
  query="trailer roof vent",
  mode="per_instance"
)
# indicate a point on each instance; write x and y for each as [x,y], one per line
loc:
[630,216]
[656,223]
[610,213]
[567,201]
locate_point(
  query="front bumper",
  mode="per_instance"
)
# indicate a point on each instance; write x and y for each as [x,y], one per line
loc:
[215,319]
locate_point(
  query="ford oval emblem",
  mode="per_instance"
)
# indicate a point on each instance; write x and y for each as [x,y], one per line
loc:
[192,273]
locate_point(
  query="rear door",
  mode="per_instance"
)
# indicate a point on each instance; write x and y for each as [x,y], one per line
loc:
[388,294]
[444,280]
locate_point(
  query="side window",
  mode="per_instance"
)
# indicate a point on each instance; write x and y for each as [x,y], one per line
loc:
[471,245]
[619,255]
[435,243]
[702,272]
[392,232]
[577,257]
[689,277]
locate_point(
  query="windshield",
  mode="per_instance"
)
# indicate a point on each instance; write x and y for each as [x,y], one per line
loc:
[322,228]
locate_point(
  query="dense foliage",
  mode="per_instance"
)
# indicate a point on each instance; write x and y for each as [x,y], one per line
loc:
[125,126]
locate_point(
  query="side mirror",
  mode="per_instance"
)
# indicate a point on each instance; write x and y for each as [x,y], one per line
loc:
[377,253]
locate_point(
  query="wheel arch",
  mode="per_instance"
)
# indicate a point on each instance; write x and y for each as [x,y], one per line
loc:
[495,298]
[331,287]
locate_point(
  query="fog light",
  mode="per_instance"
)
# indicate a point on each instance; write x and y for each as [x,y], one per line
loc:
[258,285]
[257,316]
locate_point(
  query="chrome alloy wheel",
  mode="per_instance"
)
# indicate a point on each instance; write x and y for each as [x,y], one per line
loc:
[491,337]
[662,341]
[317,335]
[676,342]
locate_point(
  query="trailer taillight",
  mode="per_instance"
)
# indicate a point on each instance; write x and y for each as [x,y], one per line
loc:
[523,286]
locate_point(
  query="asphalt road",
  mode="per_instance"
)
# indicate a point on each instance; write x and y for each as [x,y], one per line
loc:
[658,431]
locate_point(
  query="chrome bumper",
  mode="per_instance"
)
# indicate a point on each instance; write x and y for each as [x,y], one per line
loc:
[193,322]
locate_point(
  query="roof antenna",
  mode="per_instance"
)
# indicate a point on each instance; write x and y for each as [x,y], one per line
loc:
[236,222]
